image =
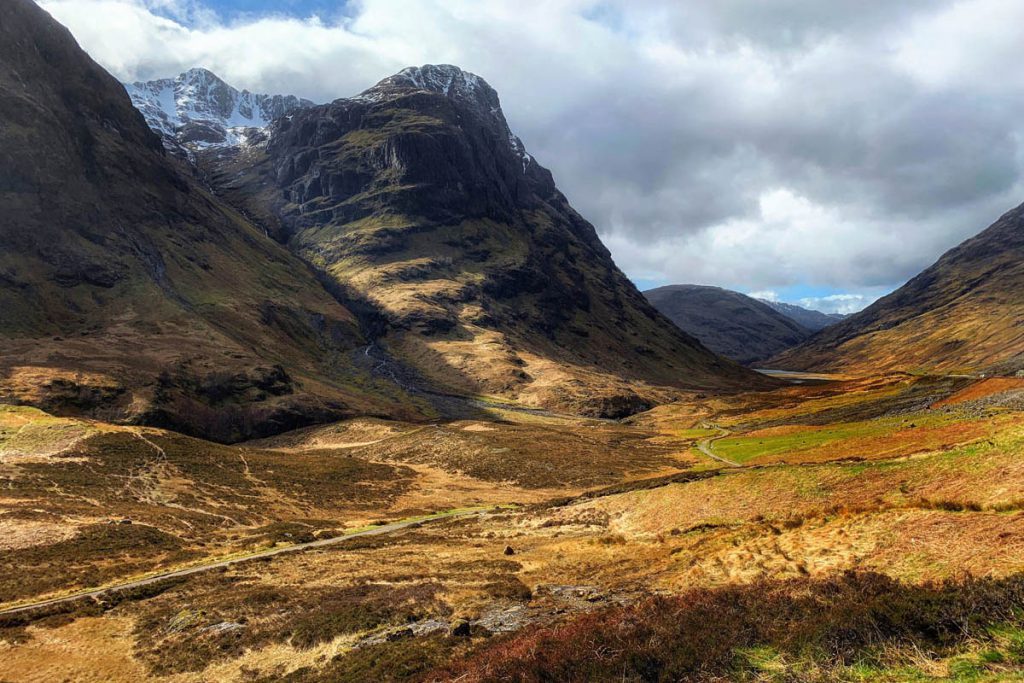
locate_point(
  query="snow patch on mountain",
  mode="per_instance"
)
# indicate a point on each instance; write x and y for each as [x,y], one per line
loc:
[197,109]
[453,82]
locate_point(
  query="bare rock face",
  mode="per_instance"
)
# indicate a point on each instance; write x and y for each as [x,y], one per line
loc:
[434,139]
[126,290]
[416,196]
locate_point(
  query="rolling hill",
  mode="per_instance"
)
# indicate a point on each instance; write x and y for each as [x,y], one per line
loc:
[735,325]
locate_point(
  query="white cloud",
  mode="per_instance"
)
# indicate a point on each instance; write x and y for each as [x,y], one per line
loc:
[833,145]
[836,303]
[766,295]
[968,44]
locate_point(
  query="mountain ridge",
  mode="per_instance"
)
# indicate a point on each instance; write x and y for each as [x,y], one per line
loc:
[417,196]
[810,318]
[198,109]
[961,314]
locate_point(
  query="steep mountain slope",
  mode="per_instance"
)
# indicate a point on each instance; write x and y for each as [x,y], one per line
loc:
[417,197]
[198,109]
[732,324]
[805,317]
[128,292]
[963,314]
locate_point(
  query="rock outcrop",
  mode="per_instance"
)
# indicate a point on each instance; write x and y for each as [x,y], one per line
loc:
[197,109]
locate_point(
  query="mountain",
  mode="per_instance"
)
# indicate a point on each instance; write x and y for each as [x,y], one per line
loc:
[805,317]
[735,325]
[127,291]
[197,109]
[417,198]
[962,314]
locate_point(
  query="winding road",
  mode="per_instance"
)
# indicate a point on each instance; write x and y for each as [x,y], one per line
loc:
[198,569]
[704,446]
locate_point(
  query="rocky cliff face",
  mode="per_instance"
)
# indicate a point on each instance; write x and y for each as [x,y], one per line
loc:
[126,290]
[963,314]
[732,324]
[416,196]
[197,109]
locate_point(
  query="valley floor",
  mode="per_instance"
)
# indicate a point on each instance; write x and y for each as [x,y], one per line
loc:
[860,529]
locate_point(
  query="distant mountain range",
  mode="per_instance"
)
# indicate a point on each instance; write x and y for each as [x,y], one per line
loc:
[809,318]
[739,327]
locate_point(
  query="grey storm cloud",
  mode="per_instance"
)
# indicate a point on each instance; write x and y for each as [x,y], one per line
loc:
[750,144]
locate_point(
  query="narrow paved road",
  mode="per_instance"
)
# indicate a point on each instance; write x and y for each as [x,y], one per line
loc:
[704,446]
[298,547]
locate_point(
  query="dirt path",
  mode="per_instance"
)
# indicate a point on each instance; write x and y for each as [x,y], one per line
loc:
[298,547]
[704,446]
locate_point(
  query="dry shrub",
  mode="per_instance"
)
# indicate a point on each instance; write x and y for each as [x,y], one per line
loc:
[699,635]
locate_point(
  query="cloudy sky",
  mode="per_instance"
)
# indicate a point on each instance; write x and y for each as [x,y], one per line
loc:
[814,151]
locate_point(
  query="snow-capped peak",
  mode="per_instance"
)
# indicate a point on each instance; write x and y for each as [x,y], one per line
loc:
[452,82]
[445,79]
[198,109]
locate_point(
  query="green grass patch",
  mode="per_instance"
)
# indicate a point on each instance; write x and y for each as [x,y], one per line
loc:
[743,448]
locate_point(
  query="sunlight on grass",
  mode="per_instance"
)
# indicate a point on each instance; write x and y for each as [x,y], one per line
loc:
[890,436]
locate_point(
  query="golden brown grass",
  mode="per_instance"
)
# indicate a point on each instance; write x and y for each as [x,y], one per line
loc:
[930,515]
[983,389]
